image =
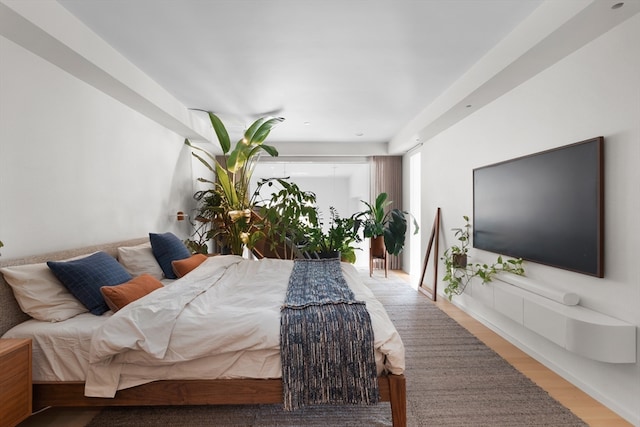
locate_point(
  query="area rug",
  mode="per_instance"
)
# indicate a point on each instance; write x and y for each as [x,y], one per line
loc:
[453,379]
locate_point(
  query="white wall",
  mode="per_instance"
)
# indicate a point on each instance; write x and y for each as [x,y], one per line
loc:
[594,91]
[78,167]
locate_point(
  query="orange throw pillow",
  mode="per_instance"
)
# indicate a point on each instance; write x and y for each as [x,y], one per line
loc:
[183,266]
[119,296]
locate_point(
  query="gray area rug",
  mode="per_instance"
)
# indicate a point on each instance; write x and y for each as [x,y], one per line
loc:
[453,379]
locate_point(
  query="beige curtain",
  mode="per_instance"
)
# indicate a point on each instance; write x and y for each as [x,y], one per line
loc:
[386,177]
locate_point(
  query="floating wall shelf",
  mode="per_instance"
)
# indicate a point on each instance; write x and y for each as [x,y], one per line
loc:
[577,329]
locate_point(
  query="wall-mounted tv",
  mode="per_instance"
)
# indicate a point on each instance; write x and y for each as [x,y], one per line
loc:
[546,207]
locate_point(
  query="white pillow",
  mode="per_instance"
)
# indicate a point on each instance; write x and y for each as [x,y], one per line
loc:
[139,260]
[40,294]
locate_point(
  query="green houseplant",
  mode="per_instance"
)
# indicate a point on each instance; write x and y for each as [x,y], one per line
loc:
[377,220]
[227,207]
[458,272]
[292,225]
[286,219]
[337,240]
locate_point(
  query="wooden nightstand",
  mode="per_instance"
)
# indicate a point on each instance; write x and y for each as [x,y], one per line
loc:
[15,380]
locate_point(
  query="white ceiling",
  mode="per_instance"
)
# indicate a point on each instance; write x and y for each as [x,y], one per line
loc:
[345,72]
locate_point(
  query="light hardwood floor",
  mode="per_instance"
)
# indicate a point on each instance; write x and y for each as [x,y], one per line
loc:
[588,409]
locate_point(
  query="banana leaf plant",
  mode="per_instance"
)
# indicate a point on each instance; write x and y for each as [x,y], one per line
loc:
[227,205]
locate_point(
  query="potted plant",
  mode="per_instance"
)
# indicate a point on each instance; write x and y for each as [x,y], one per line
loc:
[286,220]
[202,233]
[458,254]
[458,272]
[227,206]
[391,224]
[337,241]
[291,226]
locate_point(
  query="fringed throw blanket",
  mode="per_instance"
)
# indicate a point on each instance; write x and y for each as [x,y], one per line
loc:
[326,339]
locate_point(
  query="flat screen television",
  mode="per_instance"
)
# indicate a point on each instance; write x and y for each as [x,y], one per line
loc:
[546,207]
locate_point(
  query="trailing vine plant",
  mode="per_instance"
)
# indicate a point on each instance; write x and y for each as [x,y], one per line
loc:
[458,272]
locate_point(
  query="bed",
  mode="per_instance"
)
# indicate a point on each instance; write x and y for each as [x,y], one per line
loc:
[239,380]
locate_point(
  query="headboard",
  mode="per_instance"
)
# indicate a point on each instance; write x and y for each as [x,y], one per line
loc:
[11,314]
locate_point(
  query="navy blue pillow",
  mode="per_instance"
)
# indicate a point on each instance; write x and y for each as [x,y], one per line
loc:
[167,248]
[85,276]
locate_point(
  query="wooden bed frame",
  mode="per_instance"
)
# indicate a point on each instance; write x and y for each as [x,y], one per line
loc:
[167,392]
[202,392]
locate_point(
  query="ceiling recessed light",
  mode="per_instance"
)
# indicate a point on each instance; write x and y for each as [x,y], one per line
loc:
[617,5]
[306,123]
[359,134]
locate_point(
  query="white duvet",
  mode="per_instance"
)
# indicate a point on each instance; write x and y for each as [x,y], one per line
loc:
[222,320]
[235,337]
